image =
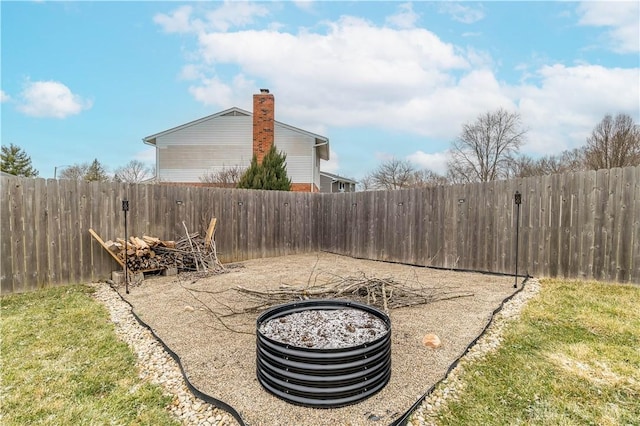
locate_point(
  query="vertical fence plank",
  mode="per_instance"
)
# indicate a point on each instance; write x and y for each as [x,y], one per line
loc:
[41,233]
[600,233]
[575,256]
[84,218]
[30,233]
[612,224]
[586,224]
[635,231]
[53,225]
[624,219]
[6,242]
[564,225]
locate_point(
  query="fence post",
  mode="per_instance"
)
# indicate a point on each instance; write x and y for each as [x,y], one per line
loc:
[518,201]
[125,209]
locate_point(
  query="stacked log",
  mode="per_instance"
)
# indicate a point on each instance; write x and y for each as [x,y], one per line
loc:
[190,253]
[142,254]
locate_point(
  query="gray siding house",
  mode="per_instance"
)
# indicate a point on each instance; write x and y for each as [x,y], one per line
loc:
[334,183]
[230,138]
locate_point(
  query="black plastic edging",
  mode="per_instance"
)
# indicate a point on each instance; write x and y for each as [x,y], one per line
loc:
[439,268]
[402,421]
[195,391]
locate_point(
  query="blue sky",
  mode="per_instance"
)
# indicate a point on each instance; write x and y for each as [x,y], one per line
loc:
[85,80]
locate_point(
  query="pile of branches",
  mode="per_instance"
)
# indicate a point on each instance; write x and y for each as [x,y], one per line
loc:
[193,253]
[185,258]
[190,253]
[383,293]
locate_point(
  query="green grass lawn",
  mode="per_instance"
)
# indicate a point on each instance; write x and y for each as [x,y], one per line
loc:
[573,358]
[62,364]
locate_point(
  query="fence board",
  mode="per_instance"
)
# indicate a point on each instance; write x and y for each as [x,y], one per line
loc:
[564,225]
[41,236]
[624,220]
[17,236]
[635,231]
[30,234]
[612,224]
[6,249]
[586,224]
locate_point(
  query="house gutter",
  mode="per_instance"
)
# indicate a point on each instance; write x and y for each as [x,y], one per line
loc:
[313,163]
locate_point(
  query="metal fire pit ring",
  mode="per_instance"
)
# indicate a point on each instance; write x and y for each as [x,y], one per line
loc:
[322,378]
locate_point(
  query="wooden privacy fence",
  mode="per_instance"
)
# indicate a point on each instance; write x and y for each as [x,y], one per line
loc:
[582,225]
[44,225]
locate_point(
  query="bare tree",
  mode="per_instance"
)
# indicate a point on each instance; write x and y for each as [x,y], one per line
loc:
[392,174]
[566,162]
[91,172]
[227,177]
[366,183]
[485,149]
[74,172]
[613,143]
[134,171]
[426,178]
[399,174]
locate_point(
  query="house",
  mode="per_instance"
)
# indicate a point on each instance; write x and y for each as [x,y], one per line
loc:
[229,138]
[334,183]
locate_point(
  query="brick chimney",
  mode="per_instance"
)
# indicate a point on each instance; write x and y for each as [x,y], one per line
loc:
[263,123]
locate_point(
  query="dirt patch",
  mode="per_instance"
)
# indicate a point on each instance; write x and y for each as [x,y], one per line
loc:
[195,318]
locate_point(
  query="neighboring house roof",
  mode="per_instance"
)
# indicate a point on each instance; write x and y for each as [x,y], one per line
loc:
[338,178]
[322,142]
[6,174]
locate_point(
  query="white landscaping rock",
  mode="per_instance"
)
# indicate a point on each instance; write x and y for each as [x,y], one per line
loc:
[156,365]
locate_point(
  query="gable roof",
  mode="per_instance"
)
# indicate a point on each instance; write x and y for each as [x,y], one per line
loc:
[321,142]
[338,178]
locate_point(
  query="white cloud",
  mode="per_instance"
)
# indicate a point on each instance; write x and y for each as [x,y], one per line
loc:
[562,109]
[306,5]
[178,21]
[230,14]
[4,97]
[461,13]
[405,18]
[622,19]
[191,72]
[213,91]
[354,74]
[436,162]
[51,99]
[331,166]
[235,14]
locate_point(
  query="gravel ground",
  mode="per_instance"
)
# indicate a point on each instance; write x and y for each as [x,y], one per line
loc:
[155,365]
[218,351]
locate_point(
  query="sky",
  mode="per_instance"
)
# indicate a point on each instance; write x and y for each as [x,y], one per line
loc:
[381,79]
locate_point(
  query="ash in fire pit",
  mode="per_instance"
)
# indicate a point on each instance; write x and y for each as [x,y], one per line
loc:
[325,329]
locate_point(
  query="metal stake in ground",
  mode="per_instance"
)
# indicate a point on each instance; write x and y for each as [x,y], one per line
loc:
[125,209]
[518,201]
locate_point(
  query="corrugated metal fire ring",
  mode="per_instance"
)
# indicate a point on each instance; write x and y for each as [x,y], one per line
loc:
[322,378]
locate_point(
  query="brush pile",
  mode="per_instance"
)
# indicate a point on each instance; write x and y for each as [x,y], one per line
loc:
[383,293]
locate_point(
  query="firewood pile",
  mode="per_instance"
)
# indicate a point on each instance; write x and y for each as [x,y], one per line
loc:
[143,253]
[190,253]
